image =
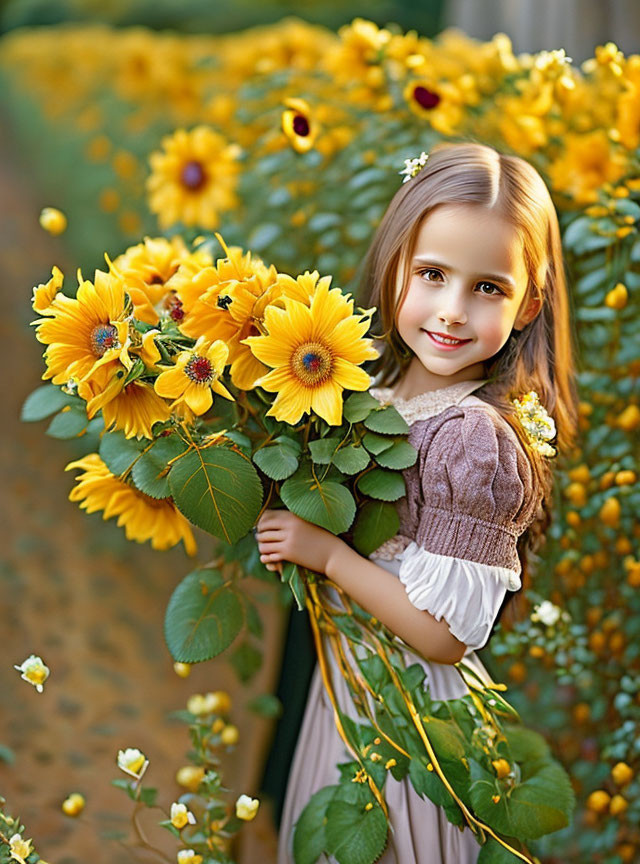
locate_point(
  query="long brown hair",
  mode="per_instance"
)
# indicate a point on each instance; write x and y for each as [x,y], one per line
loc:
[539,357]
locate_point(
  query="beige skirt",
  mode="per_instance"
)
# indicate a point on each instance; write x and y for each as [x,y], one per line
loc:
[419,830]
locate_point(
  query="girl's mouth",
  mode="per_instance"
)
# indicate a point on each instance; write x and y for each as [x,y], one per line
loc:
[446,344]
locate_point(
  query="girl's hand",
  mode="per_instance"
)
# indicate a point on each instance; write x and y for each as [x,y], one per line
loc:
[283,536]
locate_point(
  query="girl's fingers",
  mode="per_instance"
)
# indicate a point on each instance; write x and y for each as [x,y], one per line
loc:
[268,534]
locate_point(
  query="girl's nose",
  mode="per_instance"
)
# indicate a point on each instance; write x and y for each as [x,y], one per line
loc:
[452,313]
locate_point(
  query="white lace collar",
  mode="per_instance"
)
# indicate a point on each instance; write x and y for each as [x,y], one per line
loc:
[427,404]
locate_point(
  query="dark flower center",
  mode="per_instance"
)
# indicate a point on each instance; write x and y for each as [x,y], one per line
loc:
[425,98]
[103,338]
[223,301]
[193,175]
[300,125]
[174,306]
[199,369]
[311,363]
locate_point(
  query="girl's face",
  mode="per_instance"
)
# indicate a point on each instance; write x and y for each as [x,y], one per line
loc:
[467,279]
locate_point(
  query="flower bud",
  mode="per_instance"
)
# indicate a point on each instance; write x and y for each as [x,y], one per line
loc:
[73,805]
[246,807]
[52,220]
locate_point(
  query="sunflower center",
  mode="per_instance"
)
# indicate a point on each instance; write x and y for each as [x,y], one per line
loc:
[200,370]
[311,363]
[425,98]
[193,175]
[300,125]
[173,305]
[103,338]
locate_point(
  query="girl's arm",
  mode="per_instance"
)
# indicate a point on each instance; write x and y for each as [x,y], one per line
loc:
[282,536]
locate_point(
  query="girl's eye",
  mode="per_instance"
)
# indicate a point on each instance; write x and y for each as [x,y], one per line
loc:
[428,272]
[491,285]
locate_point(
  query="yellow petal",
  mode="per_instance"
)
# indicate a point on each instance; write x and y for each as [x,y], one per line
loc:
[199,398]
[171,383]
[327,402]
[349,376]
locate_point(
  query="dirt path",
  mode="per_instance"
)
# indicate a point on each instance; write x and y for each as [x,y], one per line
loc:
[92,605]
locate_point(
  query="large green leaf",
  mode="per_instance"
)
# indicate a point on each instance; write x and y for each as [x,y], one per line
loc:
[376,443]
[203,617]
[218,490]
[400,455]
[351,459]
[377,521]
[44,402]
[386,420]
[528,811]
[382,484]
[278,460]
[324,502]
[494,853]
[150,471]
[355,835]
[309,839]
[119,453]
[358,406]
[246,660]
[71,422]
[323,449]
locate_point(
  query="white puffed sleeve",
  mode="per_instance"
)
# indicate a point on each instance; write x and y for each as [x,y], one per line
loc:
[467,594]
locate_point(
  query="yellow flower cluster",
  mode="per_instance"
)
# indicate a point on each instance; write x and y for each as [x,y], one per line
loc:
[581,124]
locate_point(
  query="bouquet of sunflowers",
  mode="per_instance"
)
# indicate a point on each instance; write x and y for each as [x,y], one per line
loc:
[217,389]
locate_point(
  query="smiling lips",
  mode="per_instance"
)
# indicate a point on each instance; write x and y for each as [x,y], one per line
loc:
[445,342]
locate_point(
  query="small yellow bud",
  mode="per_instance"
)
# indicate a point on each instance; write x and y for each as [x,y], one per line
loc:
[622,774]
[610,512]
[246,807]
[625,478]
[618,805]
[190,777]
[598,801]
[53,221]
[629,419]
[73,805]
[495,798]
[369,806]
[430,767]
[229,735]
[390,763]
[618,296]
[217,725]
[375,757]
[502,767]
[182,670]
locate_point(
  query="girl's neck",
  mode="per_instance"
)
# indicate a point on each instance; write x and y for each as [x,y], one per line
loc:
[417,379]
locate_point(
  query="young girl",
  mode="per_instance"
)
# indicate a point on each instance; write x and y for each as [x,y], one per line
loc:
[466,272]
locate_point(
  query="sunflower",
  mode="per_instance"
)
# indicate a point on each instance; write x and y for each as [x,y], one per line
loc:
[195,375]
[85,332]
[298,125]
[193,178]
[148,270]
[144,518]
[133,408]
[440,102]
[315,350]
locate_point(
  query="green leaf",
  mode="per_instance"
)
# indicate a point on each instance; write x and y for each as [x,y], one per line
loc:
[266,705]
[254,621]
[278,461]
[137,371]
[150,472]
[351,459]
[386,420]
[263,236]
[246,660]
[377,443]
[325,503]
[309,834]
[529,811]
[291,575]
[355,835]
[148,796]
[218,490]
[119,453]
[323,449]
[358,406]
[400,455]
[493,852]
[44,402]
[382,484]
[203,617]
[377,521]
[428,784]
[71,422]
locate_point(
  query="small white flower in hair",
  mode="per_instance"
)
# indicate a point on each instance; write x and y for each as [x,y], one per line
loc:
[412,166]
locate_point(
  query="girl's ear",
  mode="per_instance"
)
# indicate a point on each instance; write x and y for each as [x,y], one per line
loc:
[526,315]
